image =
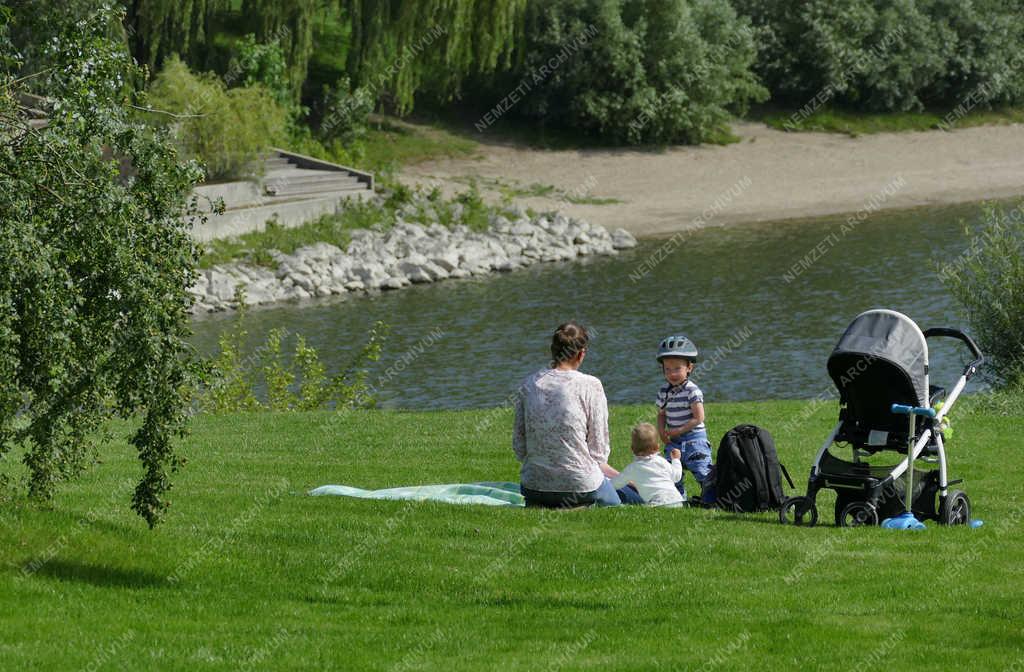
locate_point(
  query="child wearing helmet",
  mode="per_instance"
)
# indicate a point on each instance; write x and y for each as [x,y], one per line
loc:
[681,414]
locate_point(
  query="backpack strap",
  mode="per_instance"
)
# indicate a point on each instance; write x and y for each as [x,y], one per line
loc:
[786,474]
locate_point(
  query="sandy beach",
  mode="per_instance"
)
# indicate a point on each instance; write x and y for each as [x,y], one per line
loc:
[769,175]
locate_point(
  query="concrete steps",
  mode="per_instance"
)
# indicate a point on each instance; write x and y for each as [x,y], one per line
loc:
[293,190]
[293,181]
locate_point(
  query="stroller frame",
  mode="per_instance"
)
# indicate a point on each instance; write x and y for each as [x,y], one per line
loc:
[882,359]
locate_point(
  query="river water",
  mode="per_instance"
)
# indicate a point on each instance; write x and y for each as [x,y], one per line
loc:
[765,303]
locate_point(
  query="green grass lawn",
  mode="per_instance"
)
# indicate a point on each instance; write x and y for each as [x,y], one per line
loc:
[392,144]
[249,573]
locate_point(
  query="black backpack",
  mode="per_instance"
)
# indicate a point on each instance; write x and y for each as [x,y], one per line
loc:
[747,471]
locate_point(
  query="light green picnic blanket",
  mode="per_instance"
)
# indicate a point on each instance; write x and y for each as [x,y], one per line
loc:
[491,494]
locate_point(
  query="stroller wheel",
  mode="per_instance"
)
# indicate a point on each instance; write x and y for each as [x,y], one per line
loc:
[955,509]
[858,514]
[788,512]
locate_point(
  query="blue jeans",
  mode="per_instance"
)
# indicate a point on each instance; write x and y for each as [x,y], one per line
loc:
[609,496]
[696,450]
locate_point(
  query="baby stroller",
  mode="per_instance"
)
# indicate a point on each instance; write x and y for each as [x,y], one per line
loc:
[882,360]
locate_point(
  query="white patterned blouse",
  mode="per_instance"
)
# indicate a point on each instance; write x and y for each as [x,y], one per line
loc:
[561,431]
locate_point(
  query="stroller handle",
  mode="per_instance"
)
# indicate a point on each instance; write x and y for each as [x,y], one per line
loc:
[948,332]
[900,409]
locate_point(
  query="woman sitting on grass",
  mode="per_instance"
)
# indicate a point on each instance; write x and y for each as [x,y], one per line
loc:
[561,431]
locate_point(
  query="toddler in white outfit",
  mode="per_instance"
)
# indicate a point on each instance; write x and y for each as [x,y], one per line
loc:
[653,476]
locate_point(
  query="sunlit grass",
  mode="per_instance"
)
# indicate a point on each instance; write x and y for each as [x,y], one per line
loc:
[247,572]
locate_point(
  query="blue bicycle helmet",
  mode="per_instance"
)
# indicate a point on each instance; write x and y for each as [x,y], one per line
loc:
[677,346]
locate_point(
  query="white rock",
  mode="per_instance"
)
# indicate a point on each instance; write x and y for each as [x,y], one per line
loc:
[369,272]
[222,285]
[523,227]
[565,252]
[500,224]
[449,261]
[298,265]
[418,275]
[409,230]
[393,282]
[622,239]
[512,248]
[297,292]
[507,265]
[317,251]
[436,272]
[472,253]
[303,281]
[415,257]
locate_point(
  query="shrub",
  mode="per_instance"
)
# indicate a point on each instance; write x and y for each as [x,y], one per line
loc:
[988,280]
[985,46]
[342,113]
[884,56]
[635,71]
[225,129]
[299,383]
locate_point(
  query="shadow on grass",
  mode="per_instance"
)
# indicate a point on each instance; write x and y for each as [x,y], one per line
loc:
[770,518]
[517,133]
[103,576]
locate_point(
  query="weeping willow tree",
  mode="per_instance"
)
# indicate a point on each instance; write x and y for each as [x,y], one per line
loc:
[158,28]
[290,23]
[404,47]
[398,49]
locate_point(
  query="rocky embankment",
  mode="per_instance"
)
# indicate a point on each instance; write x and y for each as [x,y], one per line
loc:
[405,254]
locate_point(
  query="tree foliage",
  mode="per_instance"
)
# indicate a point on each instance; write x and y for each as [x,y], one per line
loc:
[300,383]
[95,262]
[402,47]
[158,29]
[880,55]
[988,280]
[289,23]
[633,71]
[224,129]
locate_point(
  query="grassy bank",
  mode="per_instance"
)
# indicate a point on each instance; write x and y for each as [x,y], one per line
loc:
[863,123]
[392,143]
[248,573]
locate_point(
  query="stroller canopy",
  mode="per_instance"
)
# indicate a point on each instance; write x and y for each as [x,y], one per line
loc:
[883,339]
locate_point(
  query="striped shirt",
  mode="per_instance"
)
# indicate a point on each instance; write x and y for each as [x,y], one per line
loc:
[676,401]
